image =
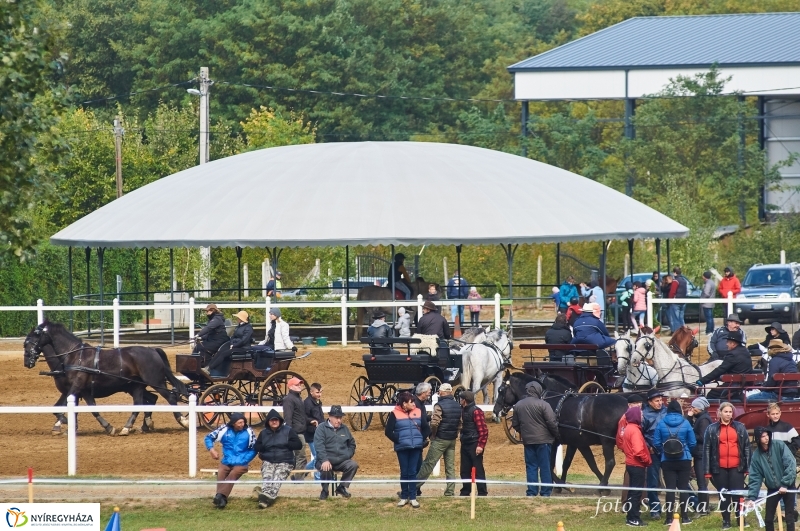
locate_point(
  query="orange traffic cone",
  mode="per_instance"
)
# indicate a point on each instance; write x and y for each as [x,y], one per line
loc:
[560,526]
[676,523]
[456,326]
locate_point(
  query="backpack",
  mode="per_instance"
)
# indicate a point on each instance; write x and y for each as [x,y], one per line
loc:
[673,447]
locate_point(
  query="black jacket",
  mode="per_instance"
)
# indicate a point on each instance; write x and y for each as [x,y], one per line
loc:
[434,324]
[277,446]
[782,362]
[295,412]
[421,406]
[380,328]
[737,361]
[313,412]
[214,333]
[448,411]
[783,336]
[242,336]
[796,340]
[699,424]
[711,448]
[534,419]
[558,334]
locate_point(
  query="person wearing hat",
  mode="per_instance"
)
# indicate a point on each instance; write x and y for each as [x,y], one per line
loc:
[241,340]
[773,465]
[335,447]
[275,445]
[781,361]
[238,442]
[474,436]
[294,411]
[432,322]
[709,290]
[212,336]
[590,329]
[537,425]
[718,342]
[652,413]
[274,286]
[574,310]
[774,331]
[398,277]
[457,288]
[737,361]
[729,283]
[698,417]
[278,332]
[380,329]
[445,422]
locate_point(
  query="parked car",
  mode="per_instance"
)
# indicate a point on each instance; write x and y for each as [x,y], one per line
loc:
[692,312]
[779,282]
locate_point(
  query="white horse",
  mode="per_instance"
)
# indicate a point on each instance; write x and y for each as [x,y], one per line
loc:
[672,369]
[484,362]
[640,378]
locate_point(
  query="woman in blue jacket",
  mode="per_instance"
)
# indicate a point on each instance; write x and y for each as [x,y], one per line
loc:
[674,439]
[238,442]
[407,427]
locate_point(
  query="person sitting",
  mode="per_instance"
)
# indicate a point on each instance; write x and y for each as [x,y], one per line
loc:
[432,323]
[589,329]
[781,362]
[238,442]
[242,338]
[212,336]
[737,361]
[278,333]
[379,329]
[574,311]
[276,446]
[335,448]
[774,331]
[717,343]
[403,324]
[399,276]
[558,334]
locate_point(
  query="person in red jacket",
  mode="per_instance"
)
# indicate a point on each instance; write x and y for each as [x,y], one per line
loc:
[634,400]
[729,283]
[637,459]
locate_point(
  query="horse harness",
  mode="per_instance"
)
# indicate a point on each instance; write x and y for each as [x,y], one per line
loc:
[633,386]
[669,386]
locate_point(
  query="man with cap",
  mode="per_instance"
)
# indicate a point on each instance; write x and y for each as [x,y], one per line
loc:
[432,323]
[781,361]
[536,423]
[444,424]
[652,413]
[212,336]
[737,361]
[729,283]
[238,442]
[242,338]
[278,332]
[474,436]
[294,412]
[274,286]
[335,450]
[698,417]
[718,342]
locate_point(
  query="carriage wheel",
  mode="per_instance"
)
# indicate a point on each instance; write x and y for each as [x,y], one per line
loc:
[512,434]
[361,394]
[250,389]
[436,383]
[218,395]
[457,390]
[276,387]
[386,398]
[591,387]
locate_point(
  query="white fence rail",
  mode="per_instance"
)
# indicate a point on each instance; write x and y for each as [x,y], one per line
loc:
[71,410]
[115,307]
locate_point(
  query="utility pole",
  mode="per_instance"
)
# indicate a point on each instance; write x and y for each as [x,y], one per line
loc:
[205,86]
[118,132]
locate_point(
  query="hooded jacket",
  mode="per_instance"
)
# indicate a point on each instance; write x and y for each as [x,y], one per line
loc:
[775,466]
[699,425]
[711,447]
[558,334]
[633,444]
[781,362]
[730,284]
[640,299]
[333,444]
[407,429]
[534,418]
[295,411]
[277,446]
[783,335]
[238,447]
[379,328]
[674,424]
[566,292]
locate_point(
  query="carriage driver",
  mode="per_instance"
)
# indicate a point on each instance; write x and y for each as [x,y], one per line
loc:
[432,322]
[242,338]
[737,361]
[589,329]
[213,334]
[402,280]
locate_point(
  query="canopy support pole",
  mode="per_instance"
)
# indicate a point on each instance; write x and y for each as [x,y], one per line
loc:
[71,313]
[391,284]
[172,296]
[88,253]
[510,251]
[602,283]
[558,264]
[147,289]
[524,127]
[658,257]
[239,270]
[630,254]
[347,280]
[669,262]
[762,140]
[100,253]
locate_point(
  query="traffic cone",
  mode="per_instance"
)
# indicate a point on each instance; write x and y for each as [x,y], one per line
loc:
[676,523]
[560,526]
[456,326]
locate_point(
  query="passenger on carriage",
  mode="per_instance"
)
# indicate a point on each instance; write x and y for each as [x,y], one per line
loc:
[781,362]
[242,338]
[213,335]
[558,334]
[398,274]
[589,329]
[432,322]
[718,342]
[774,331]
[737,361]
[278,333]
[379,329]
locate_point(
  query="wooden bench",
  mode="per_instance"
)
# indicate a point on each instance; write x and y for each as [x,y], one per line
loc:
[742,379]
[560,346]
[390,342]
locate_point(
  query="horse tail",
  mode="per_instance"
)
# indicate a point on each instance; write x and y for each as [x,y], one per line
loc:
[466,369]
[177,384]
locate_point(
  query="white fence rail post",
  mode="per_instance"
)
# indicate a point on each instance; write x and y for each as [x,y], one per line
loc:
[191,318]
[72,430]
[497,310]
[344,320]
[650,317]
[730,303]
[419,305]
[115,313]
[39,311]
[192,435]
[267,308]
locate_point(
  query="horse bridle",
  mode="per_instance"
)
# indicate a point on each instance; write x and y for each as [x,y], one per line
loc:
[650,354]
[36,348]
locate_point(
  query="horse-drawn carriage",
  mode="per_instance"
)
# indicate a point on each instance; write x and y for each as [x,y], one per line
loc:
[579,366]
[258,376]
[389,371]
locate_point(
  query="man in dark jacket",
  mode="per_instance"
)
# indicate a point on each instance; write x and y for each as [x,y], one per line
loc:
[242,339]
[313,407]
[295,413]
[380,329]
[781,361]
[737,361]
[444,424]
[558,334]
[536,423]
[782,430]
[589,329]
[774,465]
[212,336]
[652,413]
[432,323]
[335,450]
[275,445]
[718,342]
[700,419]
[474,436]
[457,288]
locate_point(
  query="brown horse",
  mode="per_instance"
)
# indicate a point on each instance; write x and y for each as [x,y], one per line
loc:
[377,293]
[683,342]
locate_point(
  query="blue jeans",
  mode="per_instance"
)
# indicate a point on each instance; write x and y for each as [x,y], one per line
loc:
[409,466]
[763,395]
[460,310]
[537,464]
[681,312]
[708,313]
[399,284]
[310,465]
[653,481]
[673,318]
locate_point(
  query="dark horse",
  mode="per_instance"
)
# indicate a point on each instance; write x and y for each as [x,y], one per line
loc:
[377,293]
[90,372]
[584,420]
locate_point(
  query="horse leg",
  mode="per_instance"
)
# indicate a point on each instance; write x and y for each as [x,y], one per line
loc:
[569,455]
[150,399]
[169,396]
[60,417]
[608,454]
[498,381]
[588,456]
[138,399]
[103,422]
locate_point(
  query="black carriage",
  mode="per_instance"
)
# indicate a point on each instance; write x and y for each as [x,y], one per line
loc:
[579,366]
[390,370]
[257,376]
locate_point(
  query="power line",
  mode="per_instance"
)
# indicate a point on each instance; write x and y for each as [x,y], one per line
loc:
[120,96]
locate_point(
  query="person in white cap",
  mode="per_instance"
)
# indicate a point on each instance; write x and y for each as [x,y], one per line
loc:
[403,325]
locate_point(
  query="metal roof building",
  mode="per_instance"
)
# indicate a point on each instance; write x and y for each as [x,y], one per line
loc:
[639,56]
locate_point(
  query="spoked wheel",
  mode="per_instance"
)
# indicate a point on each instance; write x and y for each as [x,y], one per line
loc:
[361,394]
[387,398]
[436,383]
[457,390]
[276,387]
[218,395]
[591,387]
[512,434]
[250,389]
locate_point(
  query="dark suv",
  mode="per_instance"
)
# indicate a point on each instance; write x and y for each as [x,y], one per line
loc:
[772,281]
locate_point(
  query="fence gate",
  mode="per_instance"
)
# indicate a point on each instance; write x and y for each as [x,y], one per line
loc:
[582,271]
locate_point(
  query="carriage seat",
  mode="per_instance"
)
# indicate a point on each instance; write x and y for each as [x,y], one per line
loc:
[422,359]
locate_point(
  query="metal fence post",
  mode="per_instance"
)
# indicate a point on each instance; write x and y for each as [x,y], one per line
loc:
[192,435]
[497,310]
[267,308]
[419,305]
[40,311]
[730,303]
[650,321]
[344,321]
[72,429]
[191,318]
[115,313]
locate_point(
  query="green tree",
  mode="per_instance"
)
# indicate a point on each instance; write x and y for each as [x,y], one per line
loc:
[268,128]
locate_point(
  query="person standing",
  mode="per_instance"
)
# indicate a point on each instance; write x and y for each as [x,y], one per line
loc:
[536,423]
[637,459]
[335,447]
[652,413]
[295,413]
[238,442]
[474,309]
[726,458]
[274,286]
[653,285]
[678,290]
[594,290]
[782,430]
[709,290]
[718,342]
[574,310]
[275,445]
[639,306]
[457,288]
[313,408]
[729,283]
[773,465]
[407,428]
[444,425]
[700,419]
[403,324]
[474,436]
[433,294]
[567,291]
[674,441]
[634,401]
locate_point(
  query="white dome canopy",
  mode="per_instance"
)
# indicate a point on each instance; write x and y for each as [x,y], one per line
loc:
[368,193]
